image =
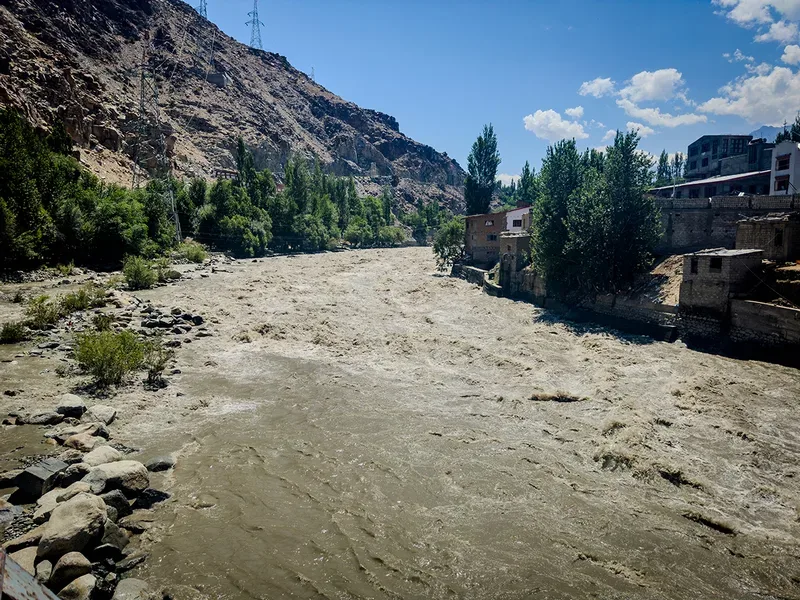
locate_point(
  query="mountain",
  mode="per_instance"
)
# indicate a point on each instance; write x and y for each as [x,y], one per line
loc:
[767,132]
[78,61]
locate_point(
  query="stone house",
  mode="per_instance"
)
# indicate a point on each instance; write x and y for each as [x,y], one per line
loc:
[777,234]
[482,244]
[712,277]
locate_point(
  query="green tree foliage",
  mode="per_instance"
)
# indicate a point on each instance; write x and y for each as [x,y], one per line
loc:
[595,231]
[676,167]
[663,170]
[528,187]
[448,246]
[482,166]
[109,357]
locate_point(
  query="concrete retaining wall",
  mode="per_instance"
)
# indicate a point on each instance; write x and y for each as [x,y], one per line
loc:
[764,324]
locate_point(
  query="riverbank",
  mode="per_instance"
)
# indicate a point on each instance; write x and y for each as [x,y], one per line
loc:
[360,426]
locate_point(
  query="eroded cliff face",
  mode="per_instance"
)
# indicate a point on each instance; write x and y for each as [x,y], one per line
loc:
[77,61]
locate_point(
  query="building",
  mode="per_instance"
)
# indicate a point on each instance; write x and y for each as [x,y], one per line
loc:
[705,155]
[777,234]
[712,277]
[482,244]
[785,179]
[753,183]
[518,219]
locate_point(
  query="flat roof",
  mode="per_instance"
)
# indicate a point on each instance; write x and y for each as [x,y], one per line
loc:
[726,252]
[716,179]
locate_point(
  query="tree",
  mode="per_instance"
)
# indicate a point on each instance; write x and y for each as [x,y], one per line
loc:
[663,170]
[482,166]
[794,132]
[448,245]
[676,167]
[783,135]
[528,187]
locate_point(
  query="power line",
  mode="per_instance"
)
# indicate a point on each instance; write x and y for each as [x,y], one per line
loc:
[255,27]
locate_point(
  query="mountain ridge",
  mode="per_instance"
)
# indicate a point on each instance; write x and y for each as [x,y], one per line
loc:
[76,61]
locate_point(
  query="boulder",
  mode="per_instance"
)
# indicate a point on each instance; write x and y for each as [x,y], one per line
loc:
[83,442]
[43,418]
[138,522]
[149,497]
[44,569]
[160,463]
[126,564]
[101,413]
[129,476]
[71,405]
[73,526]
[68,568]
[39,478]
[24,541]
[71,456]
[114,535]
[80,589]
[25,558]
[9,478]
[46,505]
[102,455]
[63,433]
[73,473]
[198,320]
[131,589]
[117,500]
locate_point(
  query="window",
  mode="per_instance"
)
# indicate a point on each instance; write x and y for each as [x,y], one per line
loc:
[782,183]
[752,154]
[695,262]
[705,162]
[693,165]
[715,264]
[517,223]
[710,191]
[509,248]
[467,227]
[706,147]
[779,238]
[489,223]
[737,146]
[492,237]
[693,151]
[782,162]
[714,149]
[724,147]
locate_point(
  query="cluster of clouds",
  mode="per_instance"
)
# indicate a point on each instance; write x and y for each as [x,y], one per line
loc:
[764,94]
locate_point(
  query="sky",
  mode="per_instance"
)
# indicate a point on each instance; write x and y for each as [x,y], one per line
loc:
[543,71]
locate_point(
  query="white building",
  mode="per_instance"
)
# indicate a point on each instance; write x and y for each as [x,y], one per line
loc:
[785,172]
[518,219]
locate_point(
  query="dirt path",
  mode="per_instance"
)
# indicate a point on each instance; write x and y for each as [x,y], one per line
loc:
[360,426]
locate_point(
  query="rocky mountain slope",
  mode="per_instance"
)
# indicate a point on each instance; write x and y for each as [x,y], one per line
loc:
[77,61]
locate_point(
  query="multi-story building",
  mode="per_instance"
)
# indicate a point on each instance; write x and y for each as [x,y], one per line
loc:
[785,176]
[483,244]
[704,157]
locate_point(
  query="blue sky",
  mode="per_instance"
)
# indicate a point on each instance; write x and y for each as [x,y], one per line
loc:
[675,70]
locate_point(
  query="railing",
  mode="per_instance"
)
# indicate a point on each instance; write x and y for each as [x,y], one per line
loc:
[17,584]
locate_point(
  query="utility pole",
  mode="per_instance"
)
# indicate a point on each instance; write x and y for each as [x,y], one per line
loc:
[149,127]
[203,9]
[256,25]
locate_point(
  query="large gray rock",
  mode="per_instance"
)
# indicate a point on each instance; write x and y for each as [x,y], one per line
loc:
[161,463]
[8,479]
[83,442]
[43,418]
[40,478]
[132,589]
[44,569]
[114,536]
[62,433]
[102,455]
[129,476]
[101,413]
[68,568]
[73,473]
[73,525]
[25,540]
[25,558]
[71,405]
[80,589]
[119,502]
[47,503]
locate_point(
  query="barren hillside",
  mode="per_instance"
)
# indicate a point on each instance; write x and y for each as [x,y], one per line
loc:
[77,60]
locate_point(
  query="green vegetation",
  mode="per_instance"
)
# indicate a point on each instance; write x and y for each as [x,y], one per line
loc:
[102,322]
[193,252]
[90,296]
[594,228]
[138,273]
[42,313]
[789,134]
[109,357]
[482,164]
[448,245]
[12,333]
[155,360]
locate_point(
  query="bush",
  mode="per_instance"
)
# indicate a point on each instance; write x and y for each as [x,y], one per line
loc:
[448,246]
[109,357]
[193,252]
[156,358]
[91,296]
[65,270]
[41,313]
[138,274]
[102,322]
[12,333]
[18,298]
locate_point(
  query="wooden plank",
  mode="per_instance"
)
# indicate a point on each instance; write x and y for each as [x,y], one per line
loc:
[17,584]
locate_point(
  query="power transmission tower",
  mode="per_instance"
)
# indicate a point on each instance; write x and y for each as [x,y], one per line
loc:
[203,9]
[149,130]
[256,25]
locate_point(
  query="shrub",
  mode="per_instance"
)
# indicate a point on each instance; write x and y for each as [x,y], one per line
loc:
[65,270]
[18,298]
[41,312]
[109,357]
[138,274]
[90,296]
[102,322]
[448,246]
[12,333]
[156,358]
[193,252]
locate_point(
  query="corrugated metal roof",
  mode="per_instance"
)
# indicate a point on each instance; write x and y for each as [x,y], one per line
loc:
[712,180]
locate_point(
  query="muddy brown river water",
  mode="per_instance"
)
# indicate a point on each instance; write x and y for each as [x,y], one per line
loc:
[361,427]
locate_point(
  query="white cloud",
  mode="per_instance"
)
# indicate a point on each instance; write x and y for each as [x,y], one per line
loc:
[598,87]
[781,31]
[550,125]
[791,54]
[643,130]
[760,69]
[738,56]
[575,113]
[506,179]
[653,85]
[654,116]
[610,135]
[768,99]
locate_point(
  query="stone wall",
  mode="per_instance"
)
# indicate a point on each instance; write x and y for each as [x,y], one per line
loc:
[764,324]
[696,223]
[471,274]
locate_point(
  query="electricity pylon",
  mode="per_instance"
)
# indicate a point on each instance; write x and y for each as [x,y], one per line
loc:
[256,25]
[203,9]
